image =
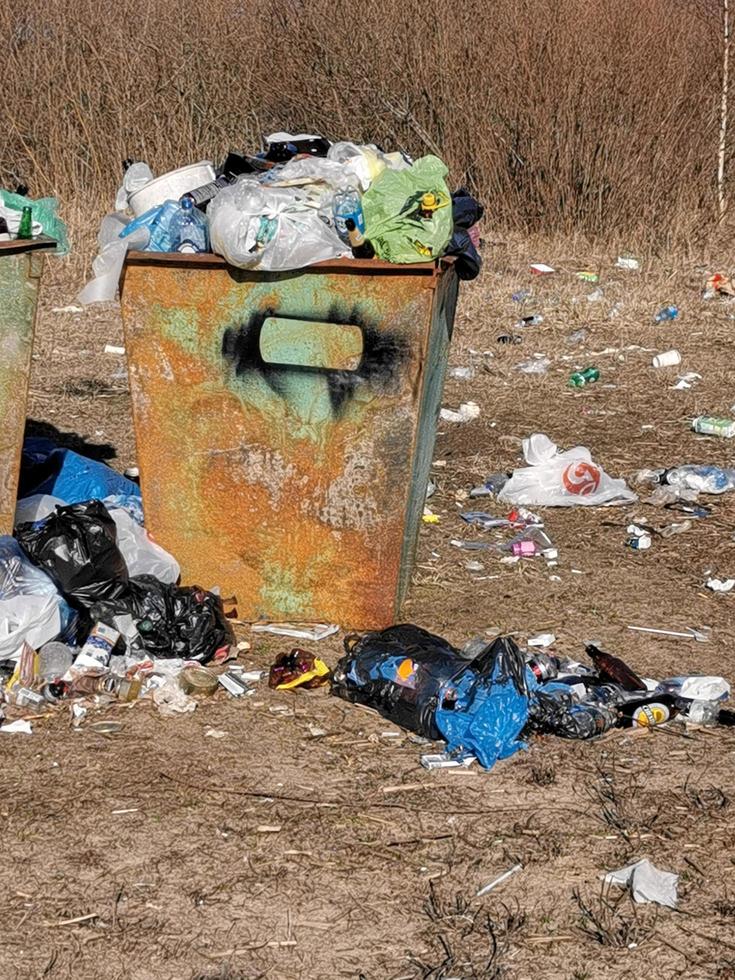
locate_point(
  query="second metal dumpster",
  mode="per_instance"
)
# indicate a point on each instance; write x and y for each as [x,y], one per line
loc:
[20,272]
[285,426]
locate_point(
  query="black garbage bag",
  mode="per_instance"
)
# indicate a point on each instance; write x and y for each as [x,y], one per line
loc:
[466,212]
[172,620]
[399,671]
[421,682]
[77,547]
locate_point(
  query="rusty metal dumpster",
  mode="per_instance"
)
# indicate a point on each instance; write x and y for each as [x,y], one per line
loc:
[285,426]
[21,263]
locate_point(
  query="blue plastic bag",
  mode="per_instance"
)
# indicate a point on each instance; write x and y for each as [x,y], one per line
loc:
[47,468]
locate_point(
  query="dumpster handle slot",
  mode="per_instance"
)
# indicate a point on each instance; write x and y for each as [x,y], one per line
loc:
[319,345]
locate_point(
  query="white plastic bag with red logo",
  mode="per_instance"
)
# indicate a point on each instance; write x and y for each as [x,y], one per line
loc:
[556,479]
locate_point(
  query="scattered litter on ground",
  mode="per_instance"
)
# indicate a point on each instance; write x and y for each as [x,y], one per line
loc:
[19,727]
[466,412]
[646,883]
[298,631]
[499,880]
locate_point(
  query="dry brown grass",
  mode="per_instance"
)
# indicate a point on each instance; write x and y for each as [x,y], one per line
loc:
[585,116]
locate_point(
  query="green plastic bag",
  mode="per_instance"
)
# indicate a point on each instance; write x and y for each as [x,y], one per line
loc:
[44,211]
[408,213]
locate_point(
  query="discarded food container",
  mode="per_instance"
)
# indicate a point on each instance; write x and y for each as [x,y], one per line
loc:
[668,359]
[198,680]
[20,275]
[285,424]
[171,186]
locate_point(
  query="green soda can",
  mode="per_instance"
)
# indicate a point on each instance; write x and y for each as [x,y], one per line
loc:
[581,378]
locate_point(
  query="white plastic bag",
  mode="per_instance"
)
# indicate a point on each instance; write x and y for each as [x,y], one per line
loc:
[646,882]
[111,258]
[36,508]
[136,177]
[142,555]
[31,607]
[562,479]
[270,228]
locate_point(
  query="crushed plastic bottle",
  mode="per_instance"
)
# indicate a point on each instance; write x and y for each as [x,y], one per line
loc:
[702,479]
[710,426]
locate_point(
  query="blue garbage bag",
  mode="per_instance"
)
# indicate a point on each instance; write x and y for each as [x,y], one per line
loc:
[51,469]
[421,682]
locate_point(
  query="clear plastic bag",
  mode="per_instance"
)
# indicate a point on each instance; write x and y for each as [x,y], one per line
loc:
[562,479]
[31,608]
[270,228]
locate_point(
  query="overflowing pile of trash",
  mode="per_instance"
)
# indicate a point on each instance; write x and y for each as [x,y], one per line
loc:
[89,603]
[300,201]
[485,699]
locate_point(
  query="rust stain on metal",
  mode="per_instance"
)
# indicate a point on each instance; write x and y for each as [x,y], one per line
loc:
[20,272]
[291,484]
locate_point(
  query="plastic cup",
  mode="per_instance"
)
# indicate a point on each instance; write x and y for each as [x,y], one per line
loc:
[669,358]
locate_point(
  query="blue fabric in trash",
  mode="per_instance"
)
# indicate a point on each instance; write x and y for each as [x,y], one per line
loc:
[48,468]
[419,681]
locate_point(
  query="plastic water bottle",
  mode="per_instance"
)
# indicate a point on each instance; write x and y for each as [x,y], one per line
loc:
[188,229]
[667,313]
[348,204]
[703,479]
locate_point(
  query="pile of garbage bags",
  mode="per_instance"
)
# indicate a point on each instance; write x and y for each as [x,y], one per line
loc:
[83,574]
[300,201]
[485,699]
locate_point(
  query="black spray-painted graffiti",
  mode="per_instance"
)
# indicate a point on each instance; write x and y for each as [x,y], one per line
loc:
[384,354]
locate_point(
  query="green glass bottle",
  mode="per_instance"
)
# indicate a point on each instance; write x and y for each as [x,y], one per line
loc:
[26,223]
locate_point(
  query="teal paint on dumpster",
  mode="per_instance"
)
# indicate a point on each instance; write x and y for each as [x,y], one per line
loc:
[285,426]
[21,263]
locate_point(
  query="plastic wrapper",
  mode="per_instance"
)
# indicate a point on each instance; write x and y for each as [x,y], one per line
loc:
[299,668]
[562,479]
[399,220]
[420,682]
[31,608]
[271,228]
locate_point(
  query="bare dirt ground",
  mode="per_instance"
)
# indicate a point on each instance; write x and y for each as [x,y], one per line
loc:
[304,842]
